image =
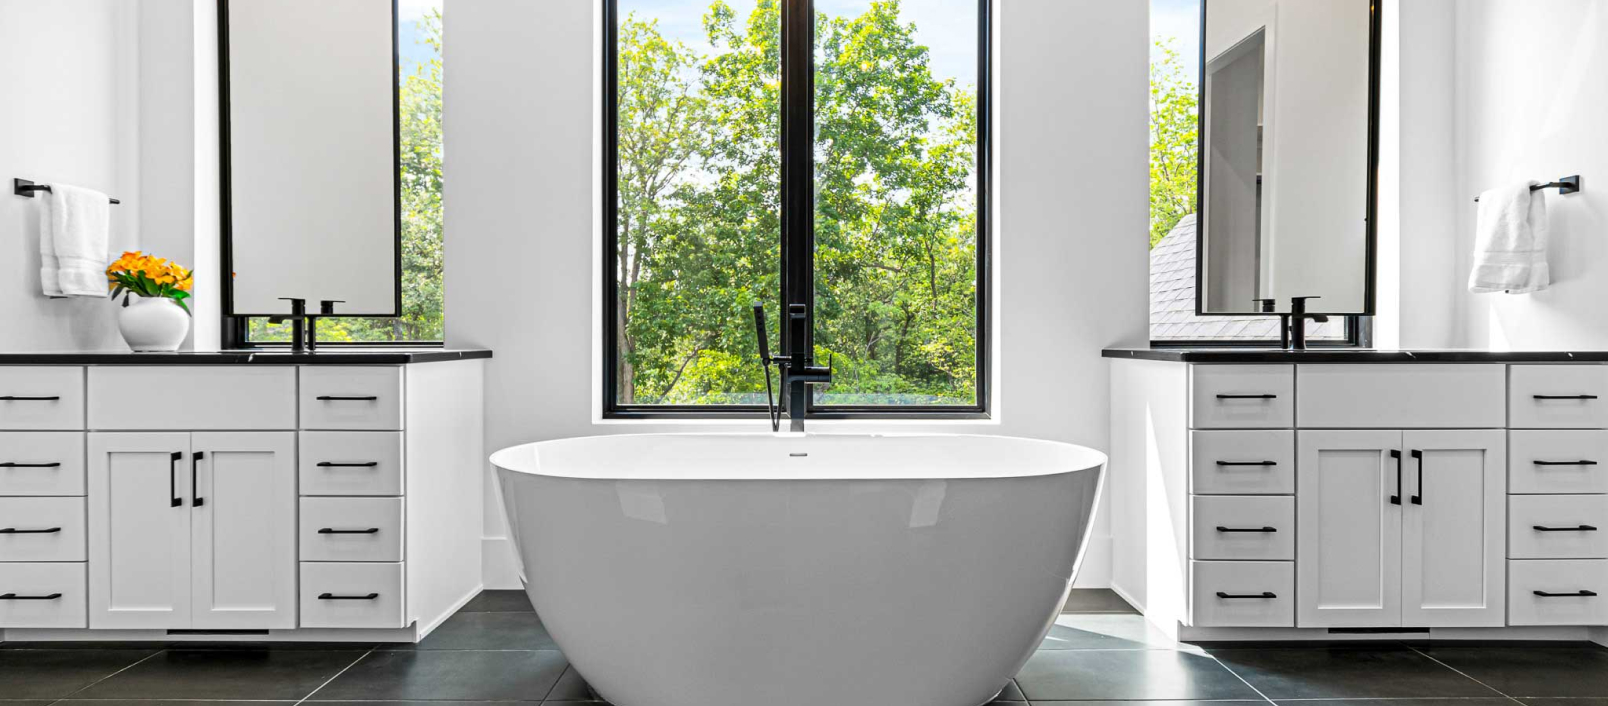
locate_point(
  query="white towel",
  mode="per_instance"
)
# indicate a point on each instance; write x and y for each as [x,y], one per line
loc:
[49,280]
[1510,241]
[80,224]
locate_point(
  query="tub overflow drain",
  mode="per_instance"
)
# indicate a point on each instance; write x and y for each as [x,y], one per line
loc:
[798,455]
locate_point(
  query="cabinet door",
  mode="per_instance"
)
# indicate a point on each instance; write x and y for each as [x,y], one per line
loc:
[139,531]
[243,530]
[1348,543]
[1454,526]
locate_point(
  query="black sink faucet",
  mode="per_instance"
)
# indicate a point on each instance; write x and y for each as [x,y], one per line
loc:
[798,368]
[1292,326]
[298,326]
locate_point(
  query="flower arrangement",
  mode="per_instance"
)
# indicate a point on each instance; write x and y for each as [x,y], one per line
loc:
[149,276]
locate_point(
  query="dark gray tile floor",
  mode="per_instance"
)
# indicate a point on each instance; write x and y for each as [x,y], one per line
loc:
[496,652]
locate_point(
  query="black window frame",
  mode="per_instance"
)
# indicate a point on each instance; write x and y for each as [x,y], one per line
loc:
[797,144]
[235,329]
[1358,326]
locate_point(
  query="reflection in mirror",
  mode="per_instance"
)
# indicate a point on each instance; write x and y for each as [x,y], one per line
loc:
[1286,156]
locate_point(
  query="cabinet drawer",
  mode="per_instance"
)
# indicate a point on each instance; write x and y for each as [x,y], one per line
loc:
[35,397]
[232,397]
[352,595]
[351,529]
[1403,396]
[1558,397]
[1558,461]
[1575,592]
[1242,396]
[1242,462]
[351,463]
[351,397]
[1576,527]
[1242,594]
[41,463]
[42,529]
[42,596]
[1242,528]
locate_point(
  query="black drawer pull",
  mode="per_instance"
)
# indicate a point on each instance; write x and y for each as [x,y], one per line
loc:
[333,464]
[1247,397]
[1247,463]
[173,478]
[347,398]
[14,530]
[15,597]
[333,597]
[29,398]
[1581,528]
[14,464]
[1581,462]
[332,530]
[1565,397]
[1264,594]
[1221,528]
[1576,594]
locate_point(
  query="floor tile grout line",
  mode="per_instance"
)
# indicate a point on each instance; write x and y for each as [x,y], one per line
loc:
[360,658]
[1461,672]
[136,663]
[1230,670]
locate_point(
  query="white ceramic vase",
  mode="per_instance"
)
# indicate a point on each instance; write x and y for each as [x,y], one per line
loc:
[154,324]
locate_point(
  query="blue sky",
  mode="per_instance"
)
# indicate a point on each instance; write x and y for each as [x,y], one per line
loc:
[408,14]
[947,27]
[1180,21]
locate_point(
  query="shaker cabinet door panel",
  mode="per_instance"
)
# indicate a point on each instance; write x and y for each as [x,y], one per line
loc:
[139,530]
[1453,528]
[243,530]
[1348,557]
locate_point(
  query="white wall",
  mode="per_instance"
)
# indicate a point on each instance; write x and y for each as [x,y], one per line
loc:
[522,219]
[1530,100]
[68,117]
[116,95]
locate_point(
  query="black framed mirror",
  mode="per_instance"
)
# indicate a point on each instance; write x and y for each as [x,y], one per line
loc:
[1287,192]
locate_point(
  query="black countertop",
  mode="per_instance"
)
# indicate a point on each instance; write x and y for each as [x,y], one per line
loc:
[323,356]
[1204,354]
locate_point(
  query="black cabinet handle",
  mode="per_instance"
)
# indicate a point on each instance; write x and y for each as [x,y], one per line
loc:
[1264,594]
[333,597]
[14,464]
[195,488]
[1247,397]
[347,398]
[14,530]
[333,464]
[1247,463]
[173,477]
[1396,499]
[1576,594]
[1581,462]
[1565,397]
[1418,497]
[15,597]
[331,530]
[29,398]
[1221,528]
[1579,528]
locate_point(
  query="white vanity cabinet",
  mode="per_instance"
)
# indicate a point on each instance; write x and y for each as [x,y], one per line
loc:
[318,501]
[1466,492]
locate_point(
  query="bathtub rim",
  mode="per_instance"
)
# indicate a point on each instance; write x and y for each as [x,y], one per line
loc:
[1084,458]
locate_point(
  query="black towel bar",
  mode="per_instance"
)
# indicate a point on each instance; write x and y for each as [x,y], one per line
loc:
[1566,185]
[23,187]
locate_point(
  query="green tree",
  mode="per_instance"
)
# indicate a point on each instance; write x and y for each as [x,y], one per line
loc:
[699,210]
[1174,139]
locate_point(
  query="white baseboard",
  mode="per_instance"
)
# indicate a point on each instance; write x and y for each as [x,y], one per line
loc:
[1095,571]
[498,570]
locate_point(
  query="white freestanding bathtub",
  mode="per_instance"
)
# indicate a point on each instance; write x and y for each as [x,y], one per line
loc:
[788,570]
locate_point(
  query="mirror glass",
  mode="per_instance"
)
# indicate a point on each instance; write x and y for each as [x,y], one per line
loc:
[1288,154]
[311,142]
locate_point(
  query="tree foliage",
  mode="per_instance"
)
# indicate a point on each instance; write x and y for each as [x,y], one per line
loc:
[699,217]
[1174,141]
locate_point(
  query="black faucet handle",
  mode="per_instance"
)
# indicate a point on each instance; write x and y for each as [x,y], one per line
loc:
[326,307]
[298,306]
[764,339]
[1268,306]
